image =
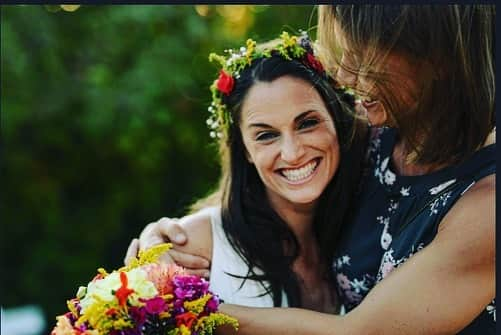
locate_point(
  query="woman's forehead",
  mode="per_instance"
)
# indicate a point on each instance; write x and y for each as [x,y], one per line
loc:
[285,97]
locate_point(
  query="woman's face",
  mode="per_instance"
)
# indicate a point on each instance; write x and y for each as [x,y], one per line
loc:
[290,138]
[399,74]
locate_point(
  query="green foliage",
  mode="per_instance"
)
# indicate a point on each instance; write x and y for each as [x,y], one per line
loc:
[103,119]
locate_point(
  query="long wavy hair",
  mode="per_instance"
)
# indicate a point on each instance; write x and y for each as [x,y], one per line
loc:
[452,45]
[253,227]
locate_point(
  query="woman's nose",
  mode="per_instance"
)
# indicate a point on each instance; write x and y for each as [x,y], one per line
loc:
[292,150]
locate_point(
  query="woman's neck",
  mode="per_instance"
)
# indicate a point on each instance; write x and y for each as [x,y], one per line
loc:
[299,217]
[316,294]
[409,169]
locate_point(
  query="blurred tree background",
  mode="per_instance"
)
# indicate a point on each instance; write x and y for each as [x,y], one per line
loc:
[103,113]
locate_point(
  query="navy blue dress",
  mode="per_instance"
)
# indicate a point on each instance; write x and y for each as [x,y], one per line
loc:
[399,216]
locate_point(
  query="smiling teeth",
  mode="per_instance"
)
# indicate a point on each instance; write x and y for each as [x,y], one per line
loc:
[302,173]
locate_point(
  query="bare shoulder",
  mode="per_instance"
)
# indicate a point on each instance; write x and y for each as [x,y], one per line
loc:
[197,227]
[471,221]
[481,194]
[477,202]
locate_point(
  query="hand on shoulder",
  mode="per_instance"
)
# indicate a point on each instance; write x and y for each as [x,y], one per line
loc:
[197,227]
[191,237]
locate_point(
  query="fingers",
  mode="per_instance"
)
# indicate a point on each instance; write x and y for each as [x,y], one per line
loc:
[161,231]
[199,273]
[150,236]
[194,265]
[170,230]
[189,261]
[166,258]
[132,251]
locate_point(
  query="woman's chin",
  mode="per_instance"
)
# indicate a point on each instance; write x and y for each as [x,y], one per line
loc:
[305,198]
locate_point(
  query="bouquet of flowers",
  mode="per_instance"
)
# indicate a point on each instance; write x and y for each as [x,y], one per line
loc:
[145,297]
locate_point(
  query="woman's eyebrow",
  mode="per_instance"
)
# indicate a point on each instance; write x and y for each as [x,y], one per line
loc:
[297,119]
[259,125]
[302,116]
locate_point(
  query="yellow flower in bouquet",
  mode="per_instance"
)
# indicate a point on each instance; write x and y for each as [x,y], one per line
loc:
[144,298]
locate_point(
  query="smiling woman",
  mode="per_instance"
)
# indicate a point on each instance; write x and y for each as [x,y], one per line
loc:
[424,227]
[291,140]
[289,144]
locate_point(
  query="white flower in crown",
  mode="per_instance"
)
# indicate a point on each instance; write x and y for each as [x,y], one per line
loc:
[289,47]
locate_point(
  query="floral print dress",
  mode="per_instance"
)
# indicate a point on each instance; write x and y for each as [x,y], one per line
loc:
[399,216]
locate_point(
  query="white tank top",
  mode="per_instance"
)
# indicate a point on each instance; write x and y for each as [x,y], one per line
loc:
[225,261]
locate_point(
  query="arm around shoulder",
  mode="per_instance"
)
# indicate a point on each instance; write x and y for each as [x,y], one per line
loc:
[439,290]
[197,228]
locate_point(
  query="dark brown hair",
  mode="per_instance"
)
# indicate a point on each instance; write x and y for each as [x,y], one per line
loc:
[453,47]
[255,230]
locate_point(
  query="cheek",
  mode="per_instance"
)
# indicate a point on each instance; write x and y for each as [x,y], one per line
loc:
[331,146]
[250,150]
[336,157]
[329,134]
[333,160]
[334,148]
[262,157]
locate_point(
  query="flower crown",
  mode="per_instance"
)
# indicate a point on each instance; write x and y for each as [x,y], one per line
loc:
[289,47]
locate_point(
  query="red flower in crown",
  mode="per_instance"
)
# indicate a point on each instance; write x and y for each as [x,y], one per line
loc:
[225,82]
[314,63]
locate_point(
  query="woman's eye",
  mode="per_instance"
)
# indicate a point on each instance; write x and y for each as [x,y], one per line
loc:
[308,123]
[265,136]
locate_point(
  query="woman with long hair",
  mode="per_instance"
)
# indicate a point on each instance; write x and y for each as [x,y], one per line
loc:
[291,153]
[418,257]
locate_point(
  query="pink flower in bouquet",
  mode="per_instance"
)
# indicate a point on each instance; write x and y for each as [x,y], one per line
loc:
[191,287]
[63,326]
[212,304]
[138,314]
[142,299]
[155,305]
[161,276]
